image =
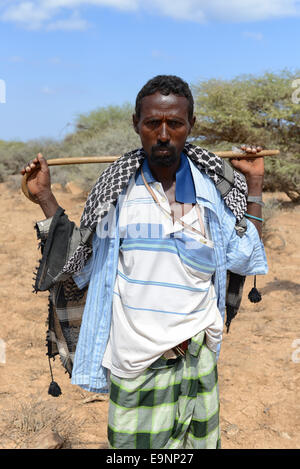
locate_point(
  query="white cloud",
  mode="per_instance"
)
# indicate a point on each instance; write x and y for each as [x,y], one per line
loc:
[73,23]
[30,14]
[226,10]
[179,9]
[35,14]
[253,35]
[120,4]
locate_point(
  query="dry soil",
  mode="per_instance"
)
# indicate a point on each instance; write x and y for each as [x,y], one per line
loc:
[259,365]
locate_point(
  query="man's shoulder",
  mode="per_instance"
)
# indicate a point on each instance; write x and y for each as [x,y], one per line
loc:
[204,184]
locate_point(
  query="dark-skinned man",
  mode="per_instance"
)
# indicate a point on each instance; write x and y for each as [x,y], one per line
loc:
[161,229]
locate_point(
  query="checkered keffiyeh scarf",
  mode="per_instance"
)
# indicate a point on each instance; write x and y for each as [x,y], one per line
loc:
[116,177]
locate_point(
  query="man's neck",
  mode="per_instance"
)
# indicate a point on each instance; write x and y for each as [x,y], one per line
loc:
[165,175]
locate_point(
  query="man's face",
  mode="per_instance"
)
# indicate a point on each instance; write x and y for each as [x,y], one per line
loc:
[163,127]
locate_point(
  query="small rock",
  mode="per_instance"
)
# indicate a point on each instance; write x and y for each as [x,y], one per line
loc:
[285,435]
[56,186]
[73,188]
[47,440]
[96,397]
[231,430]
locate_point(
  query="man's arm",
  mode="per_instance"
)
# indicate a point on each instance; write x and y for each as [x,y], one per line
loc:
[253,170]
[58,235]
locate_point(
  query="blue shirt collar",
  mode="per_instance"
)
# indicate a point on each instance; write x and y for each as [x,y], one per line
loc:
[185,188]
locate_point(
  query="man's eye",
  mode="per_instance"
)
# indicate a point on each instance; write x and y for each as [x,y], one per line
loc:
[174,124]
[153,123]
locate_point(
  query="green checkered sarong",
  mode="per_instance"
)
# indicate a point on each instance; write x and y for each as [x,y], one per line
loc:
[173,404]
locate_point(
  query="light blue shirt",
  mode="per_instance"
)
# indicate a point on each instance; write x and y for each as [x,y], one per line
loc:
[242,255]
[185,188]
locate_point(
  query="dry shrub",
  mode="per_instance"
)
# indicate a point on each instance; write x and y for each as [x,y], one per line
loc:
[14,182]
[270,234]
[25,421]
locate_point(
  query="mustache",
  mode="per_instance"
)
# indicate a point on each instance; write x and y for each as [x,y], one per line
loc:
[163,147]
[164,161]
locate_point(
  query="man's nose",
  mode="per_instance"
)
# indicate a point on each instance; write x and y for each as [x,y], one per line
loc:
[163,134]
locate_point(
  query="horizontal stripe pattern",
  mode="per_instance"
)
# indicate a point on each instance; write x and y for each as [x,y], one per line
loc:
[163,284]
[160,284]
[177,247]
[244,256]
[163,311]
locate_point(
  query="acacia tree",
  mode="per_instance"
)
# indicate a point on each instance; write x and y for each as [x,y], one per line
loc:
[254,110]
[247,109]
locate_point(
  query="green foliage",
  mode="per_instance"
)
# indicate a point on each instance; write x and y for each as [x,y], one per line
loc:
[106,131]
[253,110]
[247,109]
[14,155]
[283,174]
[103,118]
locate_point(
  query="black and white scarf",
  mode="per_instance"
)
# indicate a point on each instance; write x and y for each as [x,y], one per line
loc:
[116,177]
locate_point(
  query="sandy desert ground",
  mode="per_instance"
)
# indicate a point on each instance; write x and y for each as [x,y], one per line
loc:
[259,365]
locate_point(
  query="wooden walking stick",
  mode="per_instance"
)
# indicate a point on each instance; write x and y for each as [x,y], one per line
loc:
[111,159]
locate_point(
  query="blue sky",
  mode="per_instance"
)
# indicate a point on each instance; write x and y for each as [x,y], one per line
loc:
[60,58]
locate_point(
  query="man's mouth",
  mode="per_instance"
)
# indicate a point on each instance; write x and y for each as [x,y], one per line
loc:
[163,155]
[163,152]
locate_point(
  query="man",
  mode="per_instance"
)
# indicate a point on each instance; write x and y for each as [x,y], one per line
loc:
[151,256]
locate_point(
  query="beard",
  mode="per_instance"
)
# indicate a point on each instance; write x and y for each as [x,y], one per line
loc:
[163,160]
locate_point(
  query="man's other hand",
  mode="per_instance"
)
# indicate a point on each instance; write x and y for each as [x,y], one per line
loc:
[39,184]
[252,168]
[38,180]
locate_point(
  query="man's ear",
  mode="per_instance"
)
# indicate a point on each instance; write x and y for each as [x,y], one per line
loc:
[135,123]
[192,123]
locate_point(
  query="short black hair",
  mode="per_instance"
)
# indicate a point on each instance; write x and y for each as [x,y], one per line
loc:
[165,84]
